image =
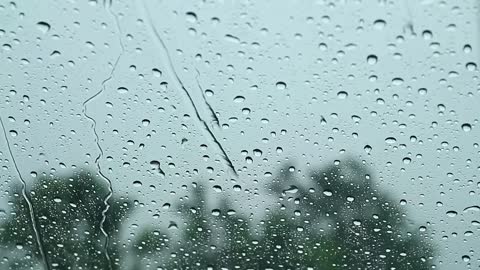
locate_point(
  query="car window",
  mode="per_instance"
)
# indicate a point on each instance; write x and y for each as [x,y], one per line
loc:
[239,134]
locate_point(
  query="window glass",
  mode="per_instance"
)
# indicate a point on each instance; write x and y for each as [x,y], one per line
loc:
[239,134]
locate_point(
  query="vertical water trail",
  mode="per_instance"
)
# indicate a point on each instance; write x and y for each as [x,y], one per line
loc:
[107,5]
[171,69]
[28,201]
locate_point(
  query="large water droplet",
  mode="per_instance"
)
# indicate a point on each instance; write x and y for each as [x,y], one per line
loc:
[44,27]
[466,127]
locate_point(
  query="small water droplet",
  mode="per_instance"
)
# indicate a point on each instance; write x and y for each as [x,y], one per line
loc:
[390,140]
[379,24]
[397,81]
[145,122]
[367,148]
[372,59]
[157,73]
[452,213]
[327,193]
[466,127]
[122,90]
[281,85]
[191,17]
[471,66]
[342,95]
[44,27]
[239,99]
[422,91]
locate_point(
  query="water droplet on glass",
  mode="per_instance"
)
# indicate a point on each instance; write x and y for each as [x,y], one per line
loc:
[451,213]
[390,140]
[397,81]
[471,66]
[145,122]
[122,90]
[281,85]
[44,27]
[379,24]
[422,91]
[157,73]
[239,99]
[367,148]
[466,127]
[191,17]
[372,59]
[342,95]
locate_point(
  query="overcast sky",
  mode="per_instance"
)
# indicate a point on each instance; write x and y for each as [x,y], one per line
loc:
[394,84]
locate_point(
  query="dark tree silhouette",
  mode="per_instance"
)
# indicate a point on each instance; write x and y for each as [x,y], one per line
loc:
[68,213]
[336,219]
[333,218]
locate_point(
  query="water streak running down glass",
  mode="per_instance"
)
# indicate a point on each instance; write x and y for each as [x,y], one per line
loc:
[239,134]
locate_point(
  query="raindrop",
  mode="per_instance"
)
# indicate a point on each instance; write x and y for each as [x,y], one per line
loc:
[427,34]
[145,122]
[137,183]
[156,72]
[379,24]
[474,208]
[209,93]
[367,148]
[452,213]
[281,85]
[327,193]
[342,95]
[257,152]
[44,27]
[390,140]
[466,127]
[397,81]
[291,189]
[239,99]
[422,91]
[471,66]
[372,59]
[191,17]
[122,90]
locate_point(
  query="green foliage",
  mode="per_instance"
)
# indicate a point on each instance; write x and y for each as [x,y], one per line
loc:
[68,212]
[336,218]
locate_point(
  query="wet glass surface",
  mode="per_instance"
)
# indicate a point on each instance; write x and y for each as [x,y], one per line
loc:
[239,135]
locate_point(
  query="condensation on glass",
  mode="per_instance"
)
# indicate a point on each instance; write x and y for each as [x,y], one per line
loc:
[239,135]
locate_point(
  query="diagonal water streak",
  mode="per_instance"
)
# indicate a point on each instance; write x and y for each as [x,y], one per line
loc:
[107,5]
[29,202]
[172,71]
[212,112]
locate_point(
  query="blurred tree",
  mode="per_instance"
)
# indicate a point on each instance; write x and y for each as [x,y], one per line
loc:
[332,218]
[336,219]
[68,213]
